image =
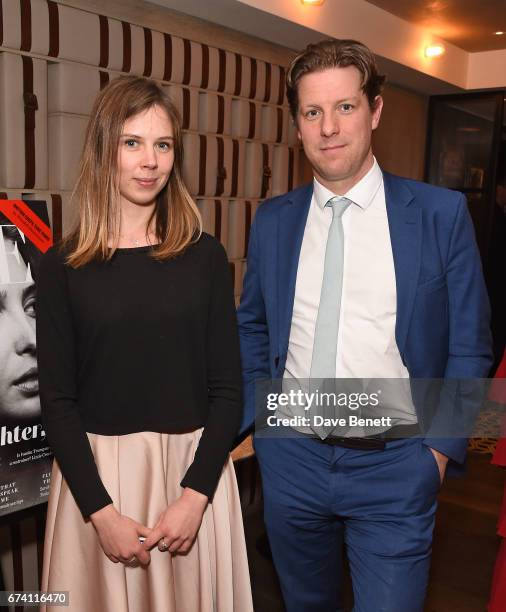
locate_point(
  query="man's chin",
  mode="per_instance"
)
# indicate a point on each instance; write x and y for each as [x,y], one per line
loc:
[333,174]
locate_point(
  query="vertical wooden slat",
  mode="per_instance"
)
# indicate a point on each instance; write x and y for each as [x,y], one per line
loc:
[104,41]
[167,67]
[148,52]
[187,63]
[127,46]
[26,25]
[54,29]
[205,67]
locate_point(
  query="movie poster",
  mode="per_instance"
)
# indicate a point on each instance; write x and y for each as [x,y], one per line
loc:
[25,458]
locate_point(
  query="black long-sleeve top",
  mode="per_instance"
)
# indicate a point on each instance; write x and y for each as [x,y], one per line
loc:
[133,345]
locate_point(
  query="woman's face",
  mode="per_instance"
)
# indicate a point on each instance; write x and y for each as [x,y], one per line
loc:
[145,156]
[19,387]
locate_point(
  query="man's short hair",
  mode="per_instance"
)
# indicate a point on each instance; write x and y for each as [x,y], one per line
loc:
[334,53]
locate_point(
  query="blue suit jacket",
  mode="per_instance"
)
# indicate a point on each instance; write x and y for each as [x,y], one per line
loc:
[442,327]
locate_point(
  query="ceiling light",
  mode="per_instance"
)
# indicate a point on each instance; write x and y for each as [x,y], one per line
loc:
[434,50]
[499,33]
[313,2]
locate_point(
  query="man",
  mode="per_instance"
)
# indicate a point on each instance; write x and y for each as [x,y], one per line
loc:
[383,281]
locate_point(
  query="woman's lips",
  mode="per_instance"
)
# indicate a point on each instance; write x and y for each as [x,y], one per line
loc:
[146,182]
[28,383]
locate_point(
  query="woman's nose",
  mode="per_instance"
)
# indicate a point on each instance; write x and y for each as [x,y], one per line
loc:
[149,159]
[25,336]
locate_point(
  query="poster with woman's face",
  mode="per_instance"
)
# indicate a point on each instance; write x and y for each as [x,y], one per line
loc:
[24,454]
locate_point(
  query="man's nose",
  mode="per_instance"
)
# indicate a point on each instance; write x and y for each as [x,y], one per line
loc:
[329,124]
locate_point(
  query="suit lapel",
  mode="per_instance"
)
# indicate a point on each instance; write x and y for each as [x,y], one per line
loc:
[405,224]
[291,223]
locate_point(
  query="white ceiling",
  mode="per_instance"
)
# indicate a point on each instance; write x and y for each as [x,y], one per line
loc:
[245,18]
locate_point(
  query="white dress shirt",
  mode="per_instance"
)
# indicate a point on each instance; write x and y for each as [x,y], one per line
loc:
[366,346]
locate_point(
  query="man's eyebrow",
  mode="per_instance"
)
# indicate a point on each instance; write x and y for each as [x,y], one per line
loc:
[141,138]
[348,99]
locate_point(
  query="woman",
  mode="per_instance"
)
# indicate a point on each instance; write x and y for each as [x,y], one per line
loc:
[24,460]
[140,379]
[19,388]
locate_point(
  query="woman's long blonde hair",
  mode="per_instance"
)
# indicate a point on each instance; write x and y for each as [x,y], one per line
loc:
[177,218]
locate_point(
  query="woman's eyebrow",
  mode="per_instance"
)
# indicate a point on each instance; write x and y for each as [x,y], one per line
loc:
[29,291]
[141,138]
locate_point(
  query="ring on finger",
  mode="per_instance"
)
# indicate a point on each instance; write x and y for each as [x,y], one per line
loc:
[162,545]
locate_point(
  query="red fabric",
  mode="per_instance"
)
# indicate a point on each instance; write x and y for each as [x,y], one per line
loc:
[498,594]
[499,457]
[497,391]
[501,524]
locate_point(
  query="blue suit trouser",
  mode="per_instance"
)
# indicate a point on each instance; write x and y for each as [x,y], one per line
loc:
[381,504]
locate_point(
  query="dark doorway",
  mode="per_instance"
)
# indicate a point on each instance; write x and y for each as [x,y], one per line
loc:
[466,151]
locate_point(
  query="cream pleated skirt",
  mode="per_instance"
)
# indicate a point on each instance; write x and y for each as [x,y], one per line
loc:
[141,473]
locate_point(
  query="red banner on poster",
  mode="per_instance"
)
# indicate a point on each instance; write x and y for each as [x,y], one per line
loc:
[28,222]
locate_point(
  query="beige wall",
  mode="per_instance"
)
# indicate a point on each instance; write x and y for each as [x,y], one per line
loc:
[387,35]
[399,141]
[167,20]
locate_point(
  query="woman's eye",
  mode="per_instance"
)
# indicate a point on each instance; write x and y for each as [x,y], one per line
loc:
[30,307]
[130,143]
[164,146]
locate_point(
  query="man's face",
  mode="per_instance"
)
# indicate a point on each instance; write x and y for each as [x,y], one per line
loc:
[19,387]
[335,124]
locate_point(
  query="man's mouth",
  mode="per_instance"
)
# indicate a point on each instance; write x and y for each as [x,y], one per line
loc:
[332,147]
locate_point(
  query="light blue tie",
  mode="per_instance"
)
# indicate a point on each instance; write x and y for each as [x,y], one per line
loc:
[323,361]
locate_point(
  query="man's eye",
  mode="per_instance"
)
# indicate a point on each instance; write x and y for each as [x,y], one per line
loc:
[346,107]
[312,114]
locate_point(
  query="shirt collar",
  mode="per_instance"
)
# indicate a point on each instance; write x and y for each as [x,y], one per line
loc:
[361,194]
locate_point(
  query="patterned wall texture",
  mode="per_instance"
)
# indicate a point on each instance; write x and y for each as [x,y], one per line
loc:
[240,146]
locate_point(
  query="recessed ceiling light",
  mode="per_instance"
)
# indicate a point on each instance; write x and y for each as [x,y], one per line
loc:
[313,2]
[434,50]
[500,33]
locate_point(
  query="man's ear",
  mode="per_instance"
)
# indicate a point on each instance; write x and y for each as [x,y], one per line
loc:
[376,112]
